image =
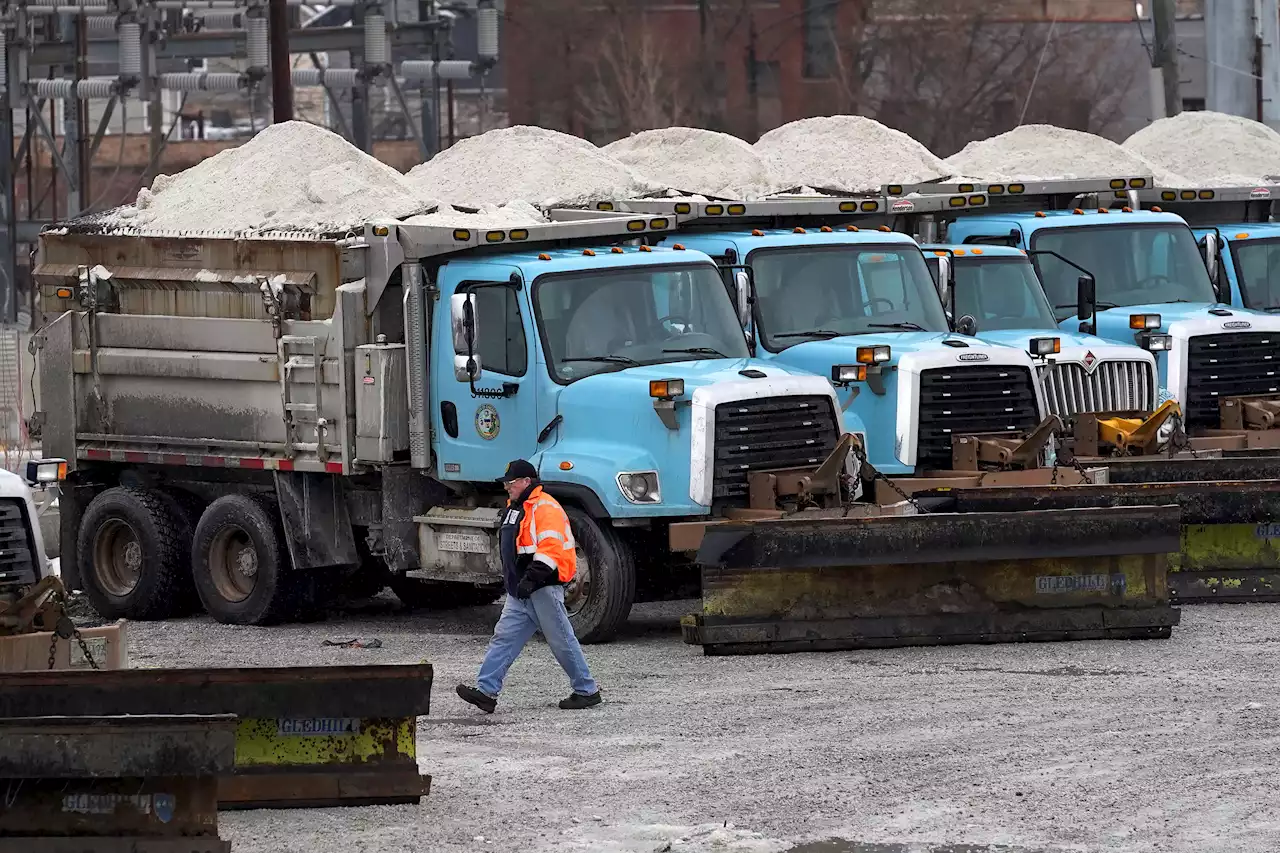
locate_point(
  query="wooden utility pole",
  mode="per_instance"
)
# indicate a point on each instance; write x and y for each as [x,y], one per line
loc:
[281,73]
[1164,56]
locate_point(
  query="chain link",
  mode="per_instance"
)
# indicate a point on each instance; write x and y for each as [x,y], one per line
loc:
[876,475]
[61,600]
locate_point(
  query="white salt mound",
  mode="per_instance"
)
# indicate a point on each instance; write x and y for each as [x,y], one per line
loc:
[1211,149]
[1042,152]
[847,153]
[543,167]
[513,215]
[292,175]
[693,160]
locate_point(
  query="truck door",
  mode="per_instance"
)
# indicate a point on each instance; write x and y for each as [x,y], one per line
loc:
[486,416]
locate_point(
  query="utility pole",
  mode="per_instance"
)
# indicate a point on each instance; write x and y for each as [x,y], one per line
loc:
[1164,60]
[1269,56]
[281,73]
[1231,47]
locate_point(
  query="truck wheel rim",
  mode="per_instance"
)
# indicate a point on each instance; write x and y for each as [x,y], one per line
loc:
[578,590]
[233,564]
[117,558]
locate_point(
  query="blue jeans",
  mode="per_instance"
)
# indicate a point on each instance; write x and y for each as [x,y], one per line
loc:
[520,619]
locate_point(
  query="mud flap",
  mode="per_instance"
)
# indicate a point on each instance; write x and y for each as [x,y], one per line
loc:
[935,579]
[1229,542]
[304,736]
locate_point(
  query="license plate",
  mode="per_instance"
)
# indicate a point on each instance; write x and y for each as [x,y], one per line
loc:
[97,648]
[466,543]
[317,726]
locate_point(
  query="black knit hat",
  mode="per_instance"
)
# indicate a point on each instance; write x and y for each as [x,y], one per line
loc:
[518,468]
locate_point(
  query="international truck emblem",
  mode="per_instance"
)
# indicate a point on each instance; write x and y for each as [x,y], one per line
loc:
[1089,359]
[1238,324]
[488,424]
[973,356]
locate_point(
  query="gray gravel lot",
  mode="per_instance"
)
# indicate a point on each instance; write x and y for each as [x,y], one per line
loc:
[1145,746]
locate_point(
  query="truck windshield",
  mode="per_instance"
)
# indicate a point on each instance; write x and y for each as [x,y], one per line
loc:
[1258,271]
[829,291]
[1133,265]
[1001,294]
[593,322]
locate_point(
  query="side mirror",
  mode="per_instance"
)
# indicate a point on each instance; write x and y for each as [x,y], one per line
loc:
[462,312]
[1212,253]
[967,325]
[466,368]
[742,296]
[1086,295]
[946,285]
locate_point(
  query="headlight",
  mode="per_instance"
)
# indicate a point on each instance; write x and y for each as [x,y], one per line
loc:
[1144,321]
[1045,346]
[872,355]
[664,389]
[640,487]
[1157,343]
[845,373]
[41,472]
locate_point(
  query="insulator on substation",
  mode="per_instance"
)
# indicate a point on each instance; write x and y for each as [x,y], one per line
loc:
[61,88]
[334,78]
[258,35]
[487,30]
[425,69]
[4,61]
[221,20]
[130,40]
[201,81]
[376,51]
[102,25]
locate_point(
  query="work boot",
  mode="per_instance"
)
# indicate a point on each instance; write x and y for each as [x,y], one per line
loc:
[479,698]
[580,700]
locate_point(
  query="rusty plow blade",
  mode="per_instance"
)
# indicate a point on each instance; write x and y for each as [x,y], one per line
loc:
[1229,540]
[935,579]
[304,736]
[143,784]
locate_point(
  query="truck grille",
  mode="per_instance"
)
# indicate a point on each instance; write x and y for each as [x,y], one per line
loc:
[1233,365]
[1113,386]
[17,555]
[971,400]
[771,432]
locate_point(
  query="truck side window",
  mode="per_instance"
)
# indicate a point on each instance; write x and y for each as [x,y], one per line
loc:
[502,347]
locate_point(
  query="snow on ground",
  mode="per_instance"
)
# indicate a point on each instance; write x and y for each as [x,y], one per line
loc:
[1166,746]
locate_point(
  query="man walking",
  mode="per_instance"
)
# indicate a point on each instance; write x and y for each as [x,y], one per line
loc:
[538,558]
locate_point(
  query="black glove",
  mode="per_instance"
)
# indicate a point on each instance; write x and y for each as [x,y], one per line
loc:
[524,589]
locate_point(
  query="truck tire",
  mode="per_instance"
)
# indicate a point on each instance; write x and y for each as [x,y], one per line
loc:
[419,594]
[240,563]
[186,509]
[600,596]
[134,554]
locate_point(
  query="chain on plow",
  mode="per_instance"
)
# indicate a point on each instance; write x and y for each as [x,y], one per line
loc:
[866,465]
[66,629]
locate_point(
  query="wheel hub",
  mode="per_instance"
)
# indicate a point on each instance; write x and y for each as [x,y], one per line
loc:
[247,562]
[133,556]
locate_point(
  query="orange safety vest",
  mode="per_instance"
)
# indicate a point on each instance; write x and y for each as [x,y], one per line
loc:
[545,534]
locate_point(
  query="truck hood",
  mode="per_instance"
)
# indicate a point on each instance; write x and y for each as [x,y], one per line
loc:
[1076,347]
[611,424]
[819,356]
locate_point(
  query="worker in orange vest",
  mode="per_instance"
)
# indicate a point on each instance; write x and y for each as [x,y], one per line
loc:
[538,559]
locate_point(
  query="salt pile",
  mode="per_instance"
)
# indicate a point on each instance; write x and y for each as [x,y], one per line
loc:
[1211,149]
[1042,152]
[543,167]
[847,153]
[292,175]
[693,160]
[513,215]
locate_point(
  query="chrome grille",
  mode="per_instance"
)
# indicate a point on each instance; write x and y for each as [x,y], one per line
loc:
[1112,386]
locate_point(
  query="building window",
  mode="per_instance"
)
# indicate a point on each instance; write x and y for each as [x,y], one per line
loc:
[1191,105]
[501,344]
[819,38]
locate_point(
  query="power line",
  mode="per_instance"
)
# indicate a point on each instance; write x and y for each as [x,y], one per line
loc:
[1048,39]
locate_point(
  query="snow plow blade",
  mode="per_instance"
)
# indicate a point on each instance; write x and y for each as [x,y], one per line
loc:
[304,736]
[1229,542]
[799,584]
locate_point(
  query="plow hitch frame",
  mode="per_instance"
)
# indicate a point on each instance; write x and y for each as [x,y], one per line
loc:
[986,451]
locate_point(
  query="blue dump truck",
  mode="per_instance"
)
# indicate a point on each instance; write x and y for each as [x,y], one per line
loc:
[994,291]
[1130,276]
[856,303]
[254,423]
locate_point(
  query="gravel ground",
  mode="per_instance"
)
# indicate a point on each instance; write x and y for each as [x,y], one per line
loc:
[1144,746]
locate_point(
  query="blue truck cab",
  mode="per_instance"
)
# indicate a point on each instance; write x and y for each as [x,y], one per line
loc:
[622,373]
[1132,277]
[996,288]
[857,304]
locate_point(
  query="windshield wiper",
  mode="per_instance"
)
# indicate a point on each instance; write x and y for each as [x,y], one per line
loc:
[812,333]
[1101,306]
[611,359]
[699,351]
[909,326]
